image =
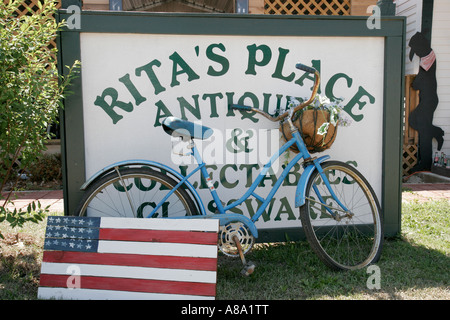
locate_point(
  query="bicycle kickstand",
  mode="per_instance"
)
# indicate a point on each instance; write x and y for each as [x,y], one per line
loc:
[249,267]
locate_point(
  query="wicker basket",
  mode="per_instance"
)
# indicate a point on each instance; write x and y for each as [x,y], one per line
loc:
[307,122]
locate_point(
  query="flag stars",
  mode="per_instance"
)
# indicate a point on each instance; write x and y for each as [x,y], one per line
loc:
[72,233]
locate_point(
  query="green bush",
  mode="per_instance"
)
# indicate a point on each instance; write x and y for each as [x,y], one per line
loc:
[31,91]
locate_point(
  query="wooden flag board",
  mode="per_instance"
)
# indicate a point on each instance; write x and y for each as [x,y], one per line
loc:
[122,258]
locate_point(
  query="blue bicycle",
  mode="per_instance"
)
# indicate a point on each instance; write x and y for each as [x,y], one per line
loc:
[339,210]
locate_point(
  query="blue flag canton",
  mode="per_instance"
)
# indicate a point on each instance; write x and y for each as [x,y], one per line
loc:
[72,233]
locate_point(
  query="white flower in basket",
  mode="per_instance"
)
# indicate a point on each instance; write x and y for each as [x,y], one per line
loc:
[335,108]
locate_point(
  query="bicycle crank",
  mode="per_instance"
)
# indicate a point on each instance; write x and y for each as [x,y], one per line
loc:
[249,267]
[235,240]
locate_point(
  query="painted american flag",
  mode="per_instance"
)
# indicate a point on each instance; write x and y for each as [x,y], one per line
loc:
[122,258]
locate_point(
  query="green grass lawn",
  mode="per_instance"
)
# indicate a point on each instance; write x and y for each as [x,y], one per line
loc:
[413,265]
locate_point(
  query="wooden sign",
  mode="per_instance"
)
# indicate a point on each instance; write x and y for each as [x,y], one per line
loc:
[121,258]
[150,66]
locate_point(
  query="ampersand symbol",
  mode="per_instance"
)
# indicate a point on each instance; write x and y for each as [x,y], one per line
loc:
[241,144]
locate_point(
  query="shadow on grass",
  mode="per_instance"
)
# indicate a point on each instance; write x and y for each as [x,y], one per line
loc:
[19,276]
[284,271]
[292,271]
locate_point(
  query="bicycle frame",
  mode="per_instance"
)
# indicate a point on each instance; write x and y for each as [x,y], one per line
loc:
[310,165]
[314,164]
[238,231]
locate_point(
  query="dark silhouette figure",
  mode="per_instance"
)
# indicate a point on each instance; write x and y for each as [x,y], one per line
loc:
[421,118]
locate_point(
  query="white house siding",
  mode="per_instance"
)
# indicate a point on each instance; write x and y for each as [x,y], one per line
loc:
[412,10]
[441,45]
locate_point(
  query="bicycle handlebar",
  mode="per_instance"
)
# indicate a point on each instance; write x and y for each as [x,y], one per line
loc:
[297,108]
[242,108]
[305,68]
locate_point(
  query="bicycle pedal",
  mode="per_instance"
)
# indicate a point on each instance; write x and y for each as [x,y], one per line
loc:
[248,269]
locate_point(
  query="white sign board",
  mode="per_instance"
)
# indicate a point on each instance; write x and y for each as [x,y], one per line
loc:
[131,82]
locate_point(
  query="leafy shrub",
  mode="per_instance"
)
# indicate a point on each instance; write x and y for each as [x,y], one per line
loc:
[31,91]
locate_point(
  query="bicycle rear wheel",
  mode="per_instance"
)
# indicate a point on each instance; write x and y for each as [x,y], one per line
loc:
[349,240]
[134,193]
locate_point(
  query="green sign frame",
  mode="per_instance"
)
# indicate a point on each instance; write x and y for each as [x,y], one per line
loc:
[392,30]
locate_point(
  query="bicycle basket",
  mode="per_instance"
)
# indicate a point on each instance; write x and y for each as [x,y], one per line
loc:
[308,122]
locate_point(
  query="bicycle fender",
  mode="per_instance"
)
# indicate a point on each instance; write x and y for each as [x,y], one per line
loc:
[175,175]
[304,178]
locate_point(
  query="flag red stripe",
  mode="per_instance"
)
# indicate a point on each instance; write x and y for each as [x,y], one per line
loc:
[134,285]
[138,260]
[194,237]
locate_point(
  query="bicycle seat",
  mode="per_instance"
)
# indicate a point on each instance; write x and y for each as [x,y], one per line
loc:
[186,128]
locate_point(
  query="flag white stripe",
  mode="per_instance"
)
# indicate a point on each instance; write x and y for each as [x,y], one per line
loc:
[94,294]
[158,248]
[210,225]
[130,272]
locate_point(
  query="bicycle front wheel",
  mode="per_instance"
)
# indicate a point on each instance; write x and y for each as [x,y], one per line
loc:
[343,239]
[135,193]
